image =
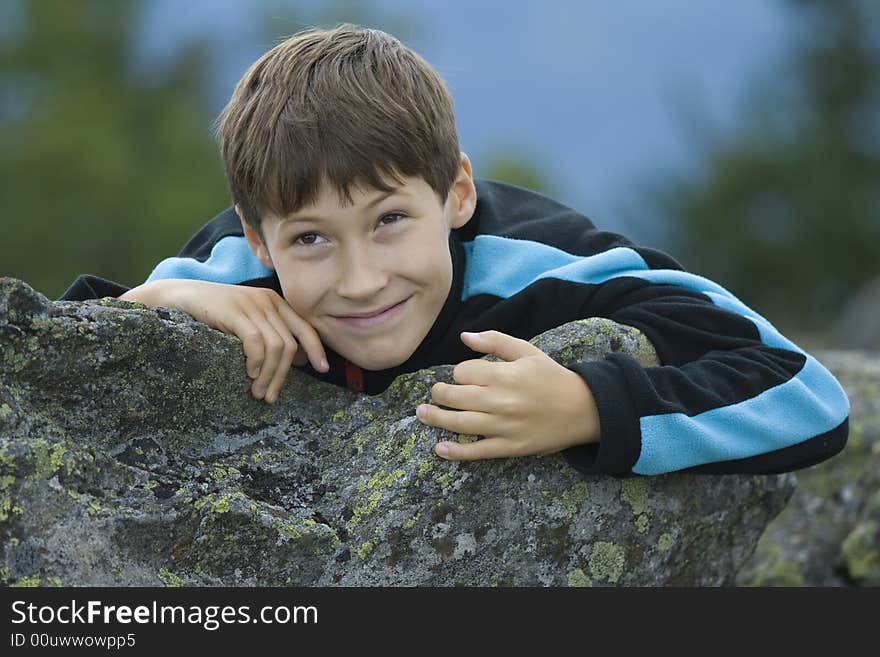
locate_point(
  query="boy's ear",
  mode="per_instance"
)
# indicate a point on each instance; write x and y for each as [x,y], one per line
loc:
[258,247]
[463,195]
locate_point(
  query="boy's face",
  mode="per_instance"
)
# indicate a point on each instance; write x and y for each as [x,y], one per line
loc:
[388,254]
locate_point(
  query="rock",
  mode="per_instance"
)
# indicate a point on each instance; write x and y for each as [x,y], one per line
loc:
[829,534]
[132,453]
[858,324]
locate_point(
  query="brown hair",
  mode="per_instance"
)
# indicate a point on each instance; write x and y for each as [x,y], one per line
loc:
[347,105]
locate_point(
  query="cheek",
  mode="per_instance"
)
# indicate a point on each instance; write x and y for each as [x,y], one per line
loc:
[428,259]
[300,291]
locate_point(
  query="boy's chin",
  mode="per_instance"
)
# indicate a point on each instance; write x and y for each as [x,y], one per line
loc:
[373,364]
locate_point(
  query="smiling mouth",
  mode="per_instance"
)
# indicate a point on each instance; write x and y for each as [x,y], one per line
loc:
[375,318]
[374,313]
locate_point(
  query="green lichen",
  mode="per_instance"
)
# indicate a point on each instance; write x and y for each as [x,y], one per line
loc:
[94,507]
[221,505]
[578,577]
[633,492]
[287,528]
[606,561]
[466,438]
[444,480]
[377,485]
[5,507]
[642,524]
[26,582]
[862,553]
[425,467]
[7,460]
[169,579]
[6,481]
[364,549]
[338,415]
[574,497]
[406,451]
[217,504]
[16,362]
[5,413]
[665,542]
[48,458]
[410,523]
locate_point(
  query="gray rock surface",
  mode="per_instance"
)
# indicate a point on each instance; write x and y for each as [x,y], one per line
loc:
[858,324]
[829,534]
[132,453]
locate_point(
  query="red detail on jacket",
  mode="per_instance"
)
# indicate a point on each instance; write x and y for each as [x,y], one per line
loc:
[354,377]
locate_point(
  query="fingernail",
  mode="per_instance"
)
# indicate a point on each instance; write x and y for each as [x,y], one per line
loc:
[470,336]
[324,364]
[442,450]
[255,372]
[259,391]
[422,411]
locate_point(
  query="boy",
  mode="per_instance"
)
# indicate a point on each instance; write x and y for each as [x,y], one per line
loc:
[360,247]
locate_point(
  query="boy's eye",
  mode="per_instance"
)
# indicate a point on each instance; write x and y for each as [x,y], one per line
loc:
[392,214]
[306,239]
[310,239]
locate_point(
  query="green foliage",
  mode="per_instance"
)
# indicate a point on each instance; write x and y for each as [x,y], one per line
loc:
[104,170]
[786,213]
[512,165]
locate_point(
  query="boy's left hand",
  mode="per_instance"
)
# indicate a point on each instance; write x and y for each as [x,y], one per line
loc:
[526,404]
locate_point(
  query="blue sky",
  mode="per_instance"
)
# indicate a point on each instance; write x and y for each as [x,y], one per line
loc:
[600,95]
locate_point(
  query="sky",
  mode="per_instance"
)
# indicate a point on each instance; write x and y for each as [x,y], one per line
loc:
[599,95]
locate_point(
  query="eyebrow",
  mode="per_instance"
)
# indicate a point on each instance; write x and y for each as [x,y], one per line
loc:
[370,205]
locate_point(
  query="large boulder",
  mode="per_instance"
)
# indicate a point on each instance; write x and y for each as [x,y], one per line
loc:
[132,453]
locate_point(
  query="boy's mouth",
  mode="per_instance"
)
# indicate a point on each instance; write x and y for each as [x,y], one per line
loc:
[374,318]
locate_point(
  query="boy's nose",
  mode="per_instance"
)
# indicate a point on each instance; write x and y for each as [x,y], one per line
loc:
[361,277]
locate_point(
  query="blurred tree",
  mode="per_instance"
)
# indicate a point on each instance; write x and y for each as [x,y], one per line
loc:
[786,213]
[103,169]
[511,164]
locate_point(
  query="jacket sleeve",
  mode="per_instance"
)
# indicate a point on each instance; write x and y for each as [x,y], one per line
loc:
[87,286]
[732,395]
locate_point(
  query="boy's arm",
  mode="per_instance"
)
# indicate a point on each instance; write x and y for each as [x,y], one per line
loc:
[732,395]
[87,286]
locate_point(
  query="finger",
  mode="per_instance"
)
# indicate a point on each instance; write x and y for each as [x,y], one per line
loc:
[466,422]
[487,448]
[478,372]
[252,340]
[463,397]
[502,345]
[272,345]
[284,359]
[306,336]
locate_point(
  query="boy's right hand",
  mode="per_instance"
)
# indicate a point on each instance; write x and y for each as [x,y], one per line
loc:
[270,331]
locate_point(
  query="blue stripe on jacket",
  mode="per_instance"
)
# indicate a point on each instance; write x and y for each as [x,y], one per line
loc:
[809,404]
[231,261]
